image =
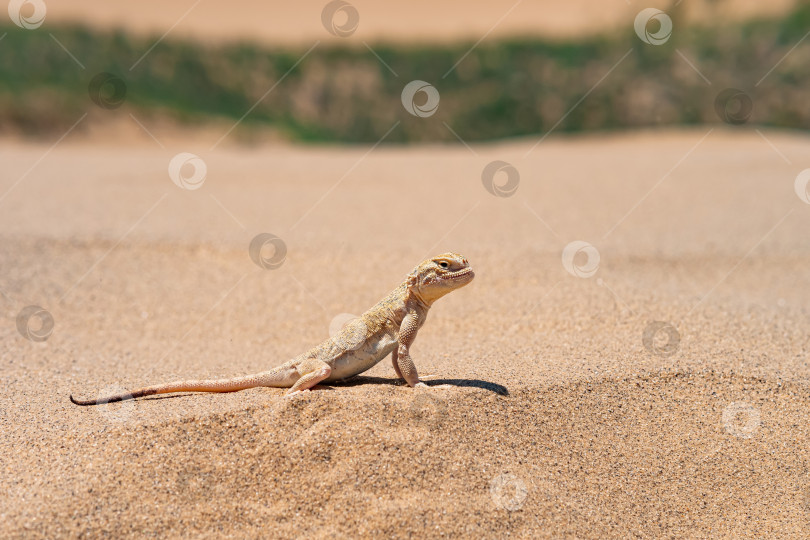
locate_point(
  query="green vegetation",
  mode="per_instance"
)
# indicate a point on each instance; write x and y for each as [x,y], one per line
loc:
[345,94]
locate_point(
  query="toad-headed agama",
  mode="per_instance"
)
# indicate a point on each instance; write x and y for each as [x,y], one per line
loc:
[389,327]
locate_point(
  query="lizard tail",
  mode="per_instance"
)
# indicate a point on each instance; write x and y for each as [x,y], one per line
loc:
[268,378]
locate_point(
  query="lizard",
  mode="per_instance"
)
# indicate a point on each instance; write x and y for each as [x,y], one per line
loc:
[389,327]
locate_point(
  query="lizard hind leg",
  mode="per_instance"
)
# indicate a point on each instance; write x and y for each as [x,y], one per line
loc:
[312,372]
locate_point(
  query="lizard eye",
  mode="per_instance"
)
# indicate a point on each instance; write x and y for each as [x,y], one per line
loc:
[444,264]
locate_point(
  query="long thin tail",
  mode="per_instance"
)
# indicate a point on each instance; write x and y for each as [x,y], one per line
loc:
[267,378]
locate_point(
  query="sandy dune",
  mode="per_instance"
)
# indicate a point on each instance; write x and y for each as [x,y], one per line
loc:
[563,422]
[413,21]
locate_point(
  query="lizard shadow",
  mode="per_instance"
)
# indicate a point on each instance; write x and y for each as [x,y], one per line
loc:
[463,383]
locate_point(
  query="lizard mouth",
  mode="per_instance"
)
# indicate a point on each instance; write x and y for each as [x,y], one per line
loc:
[465,274]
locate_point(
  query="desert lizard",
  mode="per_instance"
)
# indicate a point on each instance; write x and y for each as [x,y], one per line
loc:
[389,327]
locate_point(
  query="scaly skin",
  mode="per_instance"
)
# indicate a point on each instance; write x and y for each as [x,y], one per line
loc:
[389,327]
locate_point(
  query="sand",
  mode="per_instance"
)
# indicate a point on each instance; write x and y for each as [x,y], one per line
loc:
[562,421]
[415,21]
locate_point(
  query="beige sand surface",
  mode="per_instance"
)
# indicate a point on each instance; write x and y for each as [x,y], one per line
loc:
[300,23]
[557,400]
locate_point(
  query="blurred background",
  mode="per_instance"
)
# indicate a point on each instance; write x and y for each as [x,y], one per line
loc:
[501,69]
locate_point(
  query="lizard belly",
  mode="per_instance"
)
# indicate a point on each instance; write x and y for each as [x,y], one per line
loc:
[351,363]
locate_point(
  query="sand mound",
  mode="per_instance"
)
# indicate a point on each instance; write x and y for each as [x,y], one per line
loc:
[684,454]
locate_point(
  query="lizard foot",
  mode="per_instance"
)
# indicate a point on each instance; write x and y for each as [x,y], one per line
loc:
[421,385]
[316,387]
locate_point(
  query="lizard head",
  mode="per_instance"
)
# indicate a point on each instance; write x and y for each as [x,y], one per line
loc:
[439,275]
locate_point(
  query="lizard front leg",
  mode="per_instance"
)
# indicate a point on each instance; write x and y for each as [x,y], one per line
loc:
[403,364]
[394,361]
[407,335]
